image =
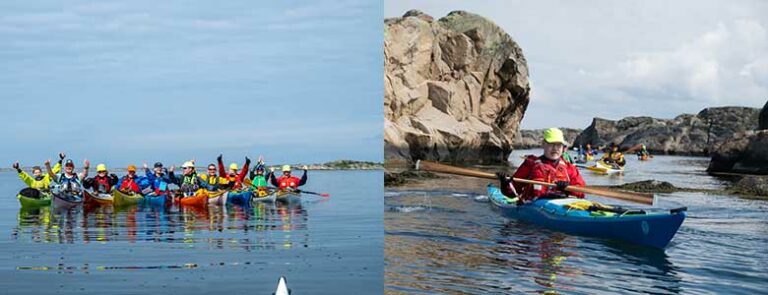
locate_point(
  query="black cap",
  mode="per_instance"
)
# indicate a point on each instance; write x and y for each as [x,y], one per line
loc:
[69,163]
[158,165]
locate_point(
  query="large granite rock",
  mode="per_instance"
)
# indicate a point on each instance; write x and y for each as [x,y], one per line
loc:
[745,152]
[686,134]
[532,138]
[455,89]
[763,123]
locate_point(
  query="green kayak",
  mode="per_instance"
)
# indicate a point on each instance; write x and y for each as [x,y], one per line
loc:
[126,199]
[33,198]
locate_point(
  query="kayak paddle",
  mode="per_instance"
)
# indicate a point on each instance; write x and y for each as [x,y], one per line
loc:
[642,198]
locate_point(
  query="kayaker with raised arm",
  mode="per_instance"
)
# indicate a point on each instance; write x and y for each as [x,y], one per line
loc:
[259,179]
[549,167]
[38,180]
[234,179]
[101,183]
[614,157]
[189,182]
[69,181]
[159,178]
[288,181]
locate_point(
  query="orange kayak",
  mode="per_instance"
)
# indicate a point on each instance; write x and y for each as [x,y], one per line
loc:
[198,200]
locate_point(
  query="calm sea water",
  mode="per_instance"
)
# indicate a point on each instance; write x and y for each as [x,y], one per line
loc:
[322,246]
[450,241]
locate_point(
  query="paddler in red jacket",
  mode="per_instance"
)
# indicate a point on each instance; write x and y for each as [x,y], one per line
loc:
[129,182]
[288,181]
[549,167]
[234,180]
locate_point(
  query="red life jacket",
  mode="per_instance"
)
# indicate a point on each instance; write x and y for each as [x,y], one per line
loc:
[101,184]
[545,172]
[129,184]
[288,182]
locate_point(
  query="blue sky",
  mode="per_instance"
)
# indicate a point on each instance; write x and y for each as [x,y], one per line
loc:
[134,81]
[613,59]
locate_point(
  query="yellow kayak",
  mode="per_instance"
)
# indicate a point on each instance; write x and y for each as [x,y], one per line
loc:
[604,168]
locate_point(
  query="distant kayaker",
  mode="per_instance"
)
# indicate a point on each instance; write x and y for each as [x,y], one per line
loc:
[549,167]
[68,181]
[130,182]
[288,181]
[643,153]
[101,183]
[234,179]
[159,178]
[38,180]
[614,157]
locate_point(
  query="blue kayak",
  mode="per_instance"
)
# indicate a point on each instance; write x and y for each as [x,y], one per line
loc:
[154,200]
[649,227]
[241,198]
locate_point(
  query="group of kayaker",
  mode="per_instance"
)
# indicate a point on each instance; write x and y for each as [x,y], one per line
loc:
[157,180]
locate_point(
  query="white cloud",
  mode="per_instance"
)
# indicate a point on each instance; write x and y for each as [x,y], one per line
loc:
[719,65]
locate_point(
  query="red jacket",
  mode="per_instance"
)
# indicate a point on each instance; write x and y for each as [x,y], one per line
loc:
[543,169]
[233,182]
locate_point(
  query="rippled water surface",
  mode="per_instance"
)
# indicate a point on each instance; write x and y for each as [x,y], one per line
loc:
[450,241]
[323,246]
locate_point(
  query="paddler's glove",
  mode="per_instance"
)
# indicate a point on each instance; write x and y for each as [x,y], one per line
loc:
[503,178]
[219,158]
[561,185]
[16,166]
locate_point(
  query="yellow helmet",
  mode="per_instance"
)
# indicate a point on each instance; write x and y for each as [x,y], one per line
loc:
[101,167]
[286,168]
[233,166]
[554,135]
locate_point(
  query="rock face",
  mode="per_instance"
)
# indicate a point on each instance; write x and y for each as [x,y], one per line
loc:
[745,152]
[532,138]
[763,124]
[455,89]
[685,135]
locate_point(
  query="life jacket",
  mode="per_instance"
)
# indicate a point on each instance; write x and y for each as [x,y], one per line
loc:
[129,184]
[101,184]
[189,183]
[70,183]
[259,181]
[288,182]
[235,183]
[545,172]
[160,185]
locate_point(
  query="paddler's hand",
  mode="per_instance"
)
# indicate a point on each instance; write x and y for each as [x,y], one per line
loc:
[561,185]
[304,168]
[145,166]
[62,156]
[219,158]
[272,169]
[247,160]
[16,166]
[503,178]
[86,164]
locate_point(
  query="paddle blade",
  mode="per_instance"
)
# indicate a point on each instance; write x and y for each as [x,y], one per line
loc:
[325,195]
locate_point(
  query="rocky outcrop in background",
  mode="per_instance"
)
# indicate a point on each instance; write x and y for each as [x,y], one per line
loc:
[763,124]
[684,135]
[745,151]
[532,138]
[455,89]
